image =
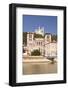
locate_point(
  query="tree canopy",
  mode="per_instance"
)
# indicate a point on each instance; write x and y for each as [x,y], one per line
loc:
[24,38]
[54,37]
[36,52]
[38,36]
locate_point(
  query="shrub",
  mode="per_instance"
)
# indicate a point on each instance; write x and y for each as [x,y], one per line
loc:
[36,52]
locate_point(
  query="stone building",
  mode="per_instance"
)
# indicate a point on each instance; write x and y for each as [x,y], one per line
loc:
[44,44]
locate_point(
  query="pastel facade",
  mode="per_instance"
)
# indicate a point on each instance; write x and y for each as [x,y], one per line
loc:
[45,45]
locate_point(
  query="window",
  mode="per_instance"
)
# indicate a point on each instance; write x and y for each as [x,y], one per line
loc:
[23,50]
[30,35]
[41,43]
[47,36]
[30,39]
[37,43]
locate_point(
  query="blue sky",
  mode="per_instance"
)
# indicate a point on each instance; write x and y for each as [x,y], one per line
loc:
[31,22]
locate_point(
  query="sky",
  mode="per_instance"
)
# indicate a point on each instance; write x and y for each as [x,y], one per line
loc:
[32,22]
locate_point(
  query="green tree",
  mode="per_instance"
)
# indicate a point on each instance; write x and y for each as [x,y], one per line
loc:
[54,37]
[38,36]
[36,52]
[25,38]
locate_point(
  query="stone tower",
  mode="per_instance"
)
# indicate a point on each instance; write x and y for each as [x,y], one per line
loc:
[47,38]
[30,40]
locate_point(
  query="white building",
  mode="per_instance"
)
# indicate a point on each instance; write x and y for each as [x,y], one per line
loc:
[40,30]
[51,49]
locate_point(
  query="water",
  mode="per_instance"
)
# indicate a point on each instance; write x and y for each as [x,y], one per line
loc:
[39,68]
